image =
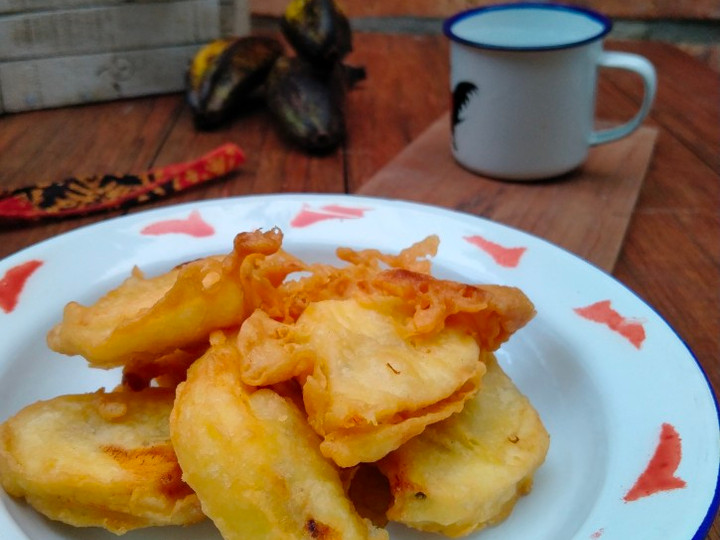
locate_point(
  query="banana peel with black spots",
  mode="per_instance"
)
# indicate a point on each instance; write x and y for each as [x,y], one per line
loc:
[305,93]
[308,102]
[227,72]
[318,30]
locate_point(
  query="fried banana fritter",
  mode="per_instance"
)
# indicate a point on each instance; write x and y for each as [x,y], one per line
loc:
[404,351]
[146,317]
[371,389]
[468,471]
[272,387]
[166,371]
[98,460]
[366,388]
[253,460]
[150,317]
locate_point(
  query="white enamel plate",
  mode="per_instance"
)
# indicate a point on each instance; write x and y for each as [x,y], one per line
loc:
[635,445]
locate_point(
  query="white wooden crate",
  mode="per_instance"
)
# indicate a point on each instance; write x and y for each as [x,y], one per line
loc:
[63,52]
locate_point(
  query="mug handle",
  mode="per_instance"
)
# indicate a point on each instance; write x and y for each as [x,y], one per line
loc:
[641,66]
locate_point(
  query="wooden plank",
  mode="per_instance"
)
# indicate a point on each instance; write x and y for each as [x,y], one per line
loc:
[586,212]
[643,9]
[273,164]
[106,29]
[234,14]
[113,137]
[25,6]
[687,99]
[53,82]
[51,145]
[407,88]
[234,18]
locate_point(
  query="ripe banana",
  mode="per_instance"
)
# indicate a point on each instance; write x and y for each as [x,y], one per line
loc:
[318,30]
[308,102]
[226,72]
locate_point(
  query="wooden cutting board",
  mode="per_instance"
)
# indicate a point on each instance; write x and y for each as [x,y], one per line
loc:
[586,212]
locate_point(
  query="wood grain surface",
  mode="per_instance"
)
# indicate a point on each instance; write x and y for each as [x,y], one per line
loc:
[641,9]
[586,212]
[671,253]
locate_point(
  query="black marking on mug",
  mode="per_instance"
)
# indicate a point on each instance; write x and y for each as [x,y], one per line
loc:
[461,95]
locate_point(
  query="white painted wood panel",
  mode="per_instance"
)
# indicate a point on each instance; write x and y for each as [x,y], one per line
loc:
[24,6]
[234,14]
[104,29]
[64,52]
[54,82]
[234,17]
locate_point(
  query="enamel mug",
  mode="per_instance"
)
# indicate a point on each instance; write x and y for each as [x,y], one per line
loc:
[523,79]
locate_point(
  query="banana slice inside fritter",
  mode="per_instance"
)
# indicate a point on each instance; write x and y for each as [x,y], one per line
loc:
[98,460]
[253,460]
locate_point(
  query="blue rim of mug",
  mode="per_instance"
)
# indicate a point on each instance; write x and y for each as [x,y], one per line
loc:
[598,17]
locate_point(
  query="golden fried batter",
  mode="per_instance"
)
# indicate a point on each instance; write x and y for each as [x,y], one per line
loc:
[98,460]
[150,317]
[253,460]
[329,282]
[491,313]
[405,350]
[370,388]
[467,472]
[166,371]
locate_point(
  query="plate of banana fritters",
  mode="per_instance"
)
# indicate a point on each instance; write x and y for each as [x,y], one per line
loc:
[331,366]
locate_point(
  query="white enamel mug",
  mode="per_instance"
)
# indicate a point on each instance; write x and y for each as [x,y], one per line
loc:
[523,79]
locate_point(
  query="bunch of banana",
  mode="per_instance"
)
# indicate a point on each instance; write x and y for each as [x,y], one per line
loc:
[305,93]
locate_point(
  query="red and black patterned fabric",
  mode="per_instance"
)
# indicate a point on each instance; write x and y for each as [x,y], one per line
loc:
[80,196]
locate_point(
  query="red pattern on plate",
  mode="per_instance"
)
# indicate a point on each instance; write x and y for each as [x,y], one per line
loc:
[13,283]
[193,225]
[508,257]
[309,216]
[598,533]
[602,312]
[659,475]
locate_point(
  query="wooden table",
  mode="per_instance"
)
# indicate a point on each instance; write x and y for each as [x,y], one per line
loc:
[671,253]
